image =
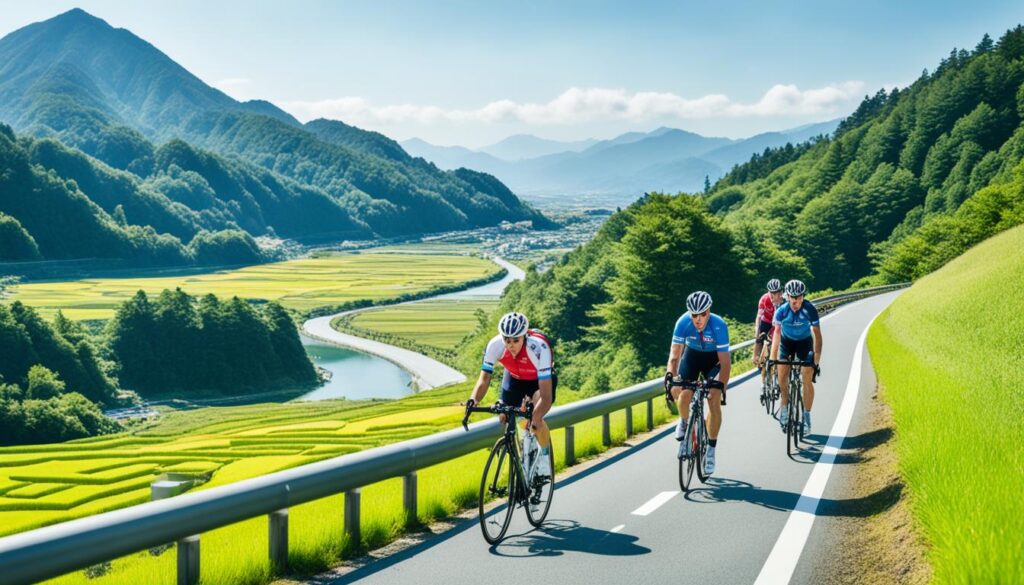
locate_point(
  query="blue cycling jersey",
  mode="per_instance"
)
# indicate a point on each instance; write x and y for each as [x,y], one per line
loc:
[715,336]
[797,325]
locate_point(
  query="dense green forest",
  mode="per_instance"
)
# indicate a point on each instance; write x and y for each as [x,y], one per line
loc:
[910,180]
[45,212]
[54,378]
[51,380]
[175,343]
[157,149]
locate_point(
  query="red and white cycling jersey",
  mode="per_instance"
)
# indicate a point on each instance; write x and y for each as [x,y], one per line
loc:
[766,308]
[533,362]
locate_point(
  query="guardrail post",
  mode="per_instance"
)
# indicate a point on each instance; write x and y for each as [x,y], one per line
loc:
[629,421]
[352,517]
[188,560]
[570,445]
[278,532]
[650,414]
[409,497]
[606,430]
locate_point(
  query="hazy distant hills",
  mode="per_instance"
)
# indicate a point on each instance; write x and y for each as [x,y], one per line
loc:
[188,157]
[665,159]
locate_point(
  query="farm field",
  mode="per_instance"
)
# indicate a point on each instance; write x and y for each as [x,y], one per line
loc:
[41,485]
[302,284]
[957,408]
[441,324]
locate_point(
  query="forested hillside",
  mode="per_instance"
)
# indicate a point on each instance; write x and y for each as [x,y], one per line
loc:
[911,179]
[180,157]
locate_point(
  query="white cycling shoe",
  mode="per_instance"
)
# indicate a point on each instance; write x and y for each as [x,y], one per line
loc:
[543,465]
[784,417]
[709,461]
[680,429]
[807,422]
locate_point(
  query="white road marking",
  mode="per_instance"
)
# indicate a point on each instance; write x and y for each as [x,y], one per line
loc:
[618,528]
[654,503]
[782,561]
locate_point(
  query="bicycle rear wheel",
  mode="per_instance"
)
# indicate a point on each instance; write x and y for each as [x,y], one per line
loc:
[540,495]
[498,482]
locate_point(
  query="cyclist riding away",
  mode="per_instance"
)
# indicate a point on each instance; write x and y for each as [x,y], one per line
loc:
[796,322]
[763,323]
[700,346]
[526,356]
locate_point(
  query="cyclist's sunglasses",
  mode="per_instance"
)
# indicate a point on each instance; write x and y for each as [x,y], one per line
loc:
[704,314]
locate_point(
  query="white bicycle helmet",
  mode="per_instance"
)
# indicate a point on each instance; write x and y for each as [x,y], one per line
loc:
[698,302]
[795,288]
[774,285]
[513,325]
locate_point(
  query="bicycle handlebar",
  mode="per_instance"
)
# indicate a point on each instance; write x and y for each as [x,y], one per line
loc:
[692,385]
[498,408]
[799,364]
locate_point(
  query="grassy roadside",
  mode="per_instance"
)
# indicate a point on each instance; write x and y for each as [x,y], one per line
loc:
[948,354]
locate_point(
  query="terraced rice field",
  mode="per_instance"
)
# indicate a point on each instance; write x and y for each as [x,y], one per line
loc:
[297,284]
[46,484]
[441,323]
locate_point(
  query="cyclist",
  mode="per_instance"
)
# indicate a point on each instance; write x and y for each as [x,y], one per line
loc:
[796,322]
[763,323]
[526,356]
[700,345]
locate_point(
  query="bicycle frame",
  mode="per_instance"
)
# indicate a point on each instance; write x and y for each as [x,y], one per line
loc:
[512,439]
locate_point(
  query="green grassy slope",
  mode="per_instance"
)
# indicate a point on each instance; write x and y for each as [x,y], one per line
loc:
[949,358]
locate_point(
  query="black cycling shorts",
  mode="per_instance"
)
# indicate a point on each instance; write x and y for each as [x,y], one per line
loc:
[797,349]
[514,390]
[764,331]
[698,362]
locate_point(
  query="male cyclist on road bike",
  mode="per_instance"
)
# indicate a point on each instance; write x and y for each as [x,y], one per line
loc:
[796,322]
[526,355]
[763,323]
[705,337]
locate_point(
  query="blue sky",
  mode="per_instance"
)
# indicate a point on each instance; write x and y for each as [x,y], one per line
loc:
[472,72]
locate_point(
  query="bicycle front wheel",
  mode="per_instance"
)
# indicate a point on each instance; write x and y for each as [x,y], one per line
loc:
[702,451]
[539,499]
[498,482]
[689,461]
[795,424]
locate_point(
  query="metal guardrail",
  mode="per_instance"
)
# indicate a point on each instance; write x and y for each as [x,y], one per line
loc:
[51,551]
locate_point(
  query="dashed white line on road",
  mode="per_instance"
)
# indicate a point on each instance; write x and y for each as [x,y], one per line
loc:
[654,503]
[618,528]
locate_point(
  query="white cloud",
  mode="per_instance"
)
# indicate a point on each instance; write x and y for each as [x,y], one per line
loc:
[236,87]
[587,105]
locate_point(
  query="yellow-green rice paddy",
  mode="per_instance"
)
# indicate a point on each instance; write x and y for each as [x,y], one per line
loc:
[297,284]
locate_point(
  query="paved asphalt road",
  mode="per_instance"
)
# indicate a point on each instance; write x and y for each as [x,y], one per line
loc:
[722,532]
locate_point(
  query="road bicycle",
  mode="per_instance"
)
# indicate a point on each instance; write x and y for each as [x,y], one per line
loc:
[511,473]
[795,424]
[769,381]
[696,428]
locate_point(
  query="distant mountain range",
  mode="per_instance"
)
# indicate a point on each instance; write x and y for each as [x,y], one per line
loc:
[629,165]
[186,157]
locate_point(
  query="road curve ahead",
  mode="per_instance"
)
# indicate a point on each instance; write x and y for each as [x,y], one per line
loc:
[625,520]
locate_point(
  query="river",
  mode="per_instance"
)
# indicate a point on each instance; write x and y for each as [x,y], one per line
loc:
[356,375]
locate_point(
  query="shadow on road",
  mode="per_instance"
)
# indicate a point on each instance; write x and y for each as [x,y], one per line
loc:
[556,537]
[719,490]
